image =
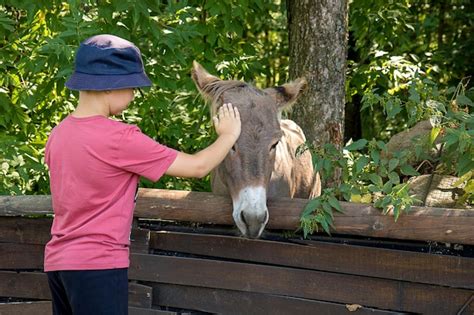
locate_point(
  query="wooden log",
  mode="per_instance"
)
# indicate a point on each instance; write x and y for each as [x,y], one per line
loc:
[443,270]
[229,302]
[25,205]
[22,230]
[28,285]
[26,308]
[325,286]
[422,223]
[139,295]
[21,256]
[25,230]
[139,240]
[433,224]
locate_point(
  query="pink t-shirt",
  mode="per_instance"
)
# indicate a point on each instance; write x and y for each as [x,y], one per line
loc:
[94,165]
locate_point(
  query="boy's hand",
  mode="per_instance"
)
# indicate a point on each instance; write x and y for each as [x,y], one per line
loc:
[227,121]
[227,124]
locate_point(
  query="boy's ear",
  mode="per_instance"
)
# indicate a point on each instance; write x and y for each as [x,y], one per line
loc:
[286,94]
[202,79]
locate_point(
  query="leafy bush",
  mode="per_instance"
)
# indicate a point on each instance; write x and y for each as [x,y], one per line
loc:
[241,40]
[372,174]
[403,58]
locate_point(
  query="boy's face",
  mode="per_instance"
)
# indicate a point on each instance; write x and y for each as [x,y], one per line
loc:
[119,100]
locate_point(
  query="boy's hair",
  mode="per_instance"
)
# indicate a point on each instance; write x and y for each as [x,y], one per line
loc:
[107,62]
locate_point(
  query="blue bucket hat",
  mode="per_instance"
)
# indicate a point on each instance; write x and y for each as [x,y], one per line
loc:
[107,62]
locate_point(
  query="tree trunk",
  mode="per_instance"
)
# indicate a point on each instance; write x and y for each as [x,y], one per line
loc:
[318,47]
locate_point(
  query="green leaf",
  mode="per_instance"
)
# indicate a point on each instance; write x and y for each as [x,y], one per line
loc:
[465,164]
[375,155]
[382,146]
[394,178]
[408,170]
[376,179]
[434,134]
[414,95]
[327,208]
[361,163]
[387,188]
[392,164]
[335,203]
[392,108]
[451,138]
[311,206]
[325,226]
[355,146]
[464,100]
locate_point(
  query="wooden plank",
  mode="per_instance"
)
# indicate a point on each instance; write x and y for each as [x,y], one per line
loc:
[422,223]
[358,260]
[147,311]
[25,230]
[26,308]
[237,302]
[139,295]
[21,256]
[34,285]
[139,240]
[31,285]
[45,308]
[325,286]
[25,205]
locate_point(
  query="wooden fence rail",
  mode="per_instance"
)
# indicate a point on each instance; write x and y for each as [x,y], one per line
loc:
[176,272]
[421,223]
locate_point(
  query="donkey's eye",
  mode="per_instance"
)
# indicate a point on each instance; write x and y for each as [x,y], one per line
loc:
[273,147]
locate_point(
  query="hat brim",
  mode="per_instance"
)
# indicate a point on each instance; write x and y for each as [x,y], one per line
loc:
[93,82]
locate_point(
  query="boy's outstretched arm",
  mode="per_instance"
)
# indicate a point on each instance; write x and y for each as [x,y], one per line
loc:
[227,124]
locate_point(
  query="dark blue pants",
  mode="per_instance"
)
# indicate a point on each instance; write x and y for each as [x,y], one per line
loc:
[89,292]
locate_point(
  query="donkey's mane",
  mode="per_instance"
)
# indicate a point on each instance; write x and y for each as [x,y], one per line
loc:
[218,87]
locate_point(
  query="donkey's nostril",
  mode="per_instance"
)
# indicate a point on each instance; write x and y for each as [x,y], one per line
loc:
[242,217]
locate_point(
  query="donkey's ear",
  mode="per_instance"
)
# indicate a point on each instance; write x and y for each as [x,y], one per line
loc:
[202,78]
[286,94]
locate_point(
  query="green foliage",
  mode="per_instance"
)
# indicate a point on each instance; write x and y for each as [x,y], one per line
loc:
[394,42]
[404,59]
[367,175]
[319,213]
[372,174]
[468,181]
[450,113]
[234,39]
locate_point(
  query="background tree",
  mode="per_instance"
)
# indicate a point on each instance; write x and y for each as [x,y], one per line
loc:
[317,49]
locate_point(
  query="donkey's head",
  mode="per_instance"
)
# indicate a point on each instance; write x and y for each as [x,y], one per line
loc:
[246,171]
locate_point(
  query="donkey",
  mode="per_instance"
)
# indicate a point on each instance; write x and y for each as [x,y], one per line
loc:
[263,162]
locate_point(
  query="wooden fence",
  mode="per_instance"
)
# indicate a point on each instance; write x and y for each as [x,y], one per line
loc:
[196,270]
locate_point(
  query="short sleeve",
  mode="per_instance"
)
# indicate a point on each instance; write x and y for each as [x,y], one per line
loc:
[137,153]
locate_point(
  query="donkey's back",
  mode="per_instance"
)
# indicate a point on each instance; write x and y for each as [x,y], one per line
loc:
[293,175]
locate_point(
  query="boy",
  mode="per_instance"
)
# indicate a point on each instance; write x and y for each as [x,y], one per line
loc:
[95,164]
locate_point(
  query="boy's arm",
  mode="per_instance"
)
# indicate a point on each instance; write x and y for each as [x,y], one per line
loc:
[227,125]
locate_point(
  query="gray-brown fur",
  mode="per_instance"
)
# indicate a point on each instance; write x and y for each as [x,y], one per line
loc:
[264,154]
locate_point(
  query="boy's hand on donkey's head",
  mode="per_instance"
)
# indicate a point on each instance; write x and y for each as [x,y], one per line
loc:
[227,121]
